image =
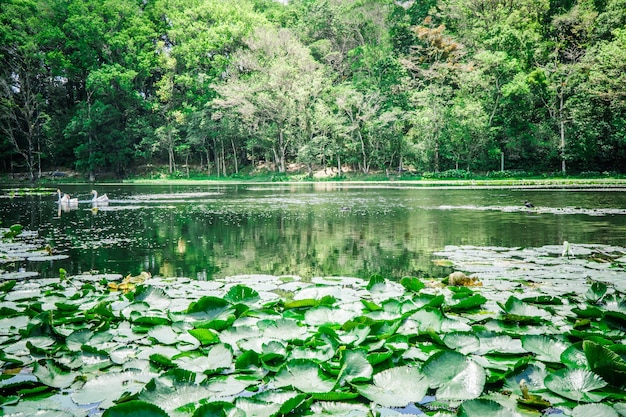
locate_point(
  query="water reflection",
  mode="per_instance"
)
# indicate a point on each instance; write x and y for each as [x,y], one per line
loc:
[303,229]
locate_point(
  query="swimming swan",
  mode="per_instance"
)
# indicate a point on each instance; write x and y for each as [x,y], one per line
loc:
[65,198]
[99,199]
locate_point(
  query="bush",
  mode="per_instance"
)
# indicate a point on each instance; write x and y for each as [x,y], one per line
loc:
[448,174]
[515,173]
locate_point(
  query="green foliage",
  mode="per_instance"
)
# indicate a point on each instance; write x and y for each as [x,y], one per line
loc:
[224,87]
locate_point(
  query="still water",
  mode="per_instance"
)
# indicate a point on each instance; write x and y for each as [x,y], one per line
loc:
[323,229]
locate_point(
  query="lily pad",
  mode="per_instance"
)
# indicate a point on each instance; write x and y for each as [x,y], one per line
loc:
[455,376]
[576,384]
[304,375]
[396,387]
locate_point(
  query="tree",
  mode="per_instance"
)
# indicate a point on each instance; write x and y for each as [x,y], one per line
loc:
[275,82]
[22,83]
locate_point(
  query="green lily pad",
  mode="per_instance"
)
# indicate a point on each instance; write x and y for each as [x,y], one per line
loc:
[546,348]
[595,410]
[355,367]
[455,376]
[396,387]
[485,408]
[106,389]
[135,409]
[304,375]
[52,375]
[576,384]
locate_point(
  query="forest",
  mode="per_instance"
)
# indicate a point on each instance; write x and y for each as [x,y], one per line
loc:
[220,87]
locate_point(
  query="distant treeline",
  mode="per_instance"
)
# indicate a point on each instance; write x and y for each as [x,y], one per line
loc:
[428,85]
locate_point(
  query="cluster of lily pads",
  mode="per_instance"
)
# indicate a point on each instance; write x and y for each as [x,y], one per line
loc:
[258,345]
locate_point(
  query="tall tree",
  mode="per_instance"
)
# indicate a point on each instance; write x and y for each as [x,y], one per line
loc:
[275,83]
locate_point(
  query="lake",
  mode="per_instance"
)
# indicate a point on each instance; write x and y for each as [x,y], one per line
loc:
[206,231]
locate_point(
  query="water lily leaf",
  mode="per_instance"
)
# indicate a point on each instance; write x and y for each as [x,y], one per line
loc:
[205,336]
[596,292]
[217,358]
[606,363]
[396,387]
[595,410]
[322,315]
[107,388]
[546,348]
[241,294]
[455,376]
[155,297]
[218,409]
[282,329]
[412,284]
[485,408]
[521,312]
[304,375]
[333,408]
[462,342]
[576,384]
[620,408]
[52,375]
[469,303]
[135,408]
[427,318]
[574,357]
[355,367]
[165,335]
[208,308]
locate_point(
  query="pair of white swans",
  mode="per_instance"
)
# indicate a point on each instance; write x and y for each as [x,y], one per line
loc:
[66,199]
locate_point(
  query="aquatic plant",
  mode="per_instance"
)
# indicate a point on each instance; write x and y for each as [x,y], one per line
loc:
[259,345]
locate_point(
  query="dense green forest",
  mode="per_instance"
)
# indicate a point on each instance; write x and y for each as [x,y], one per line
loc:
[222,86]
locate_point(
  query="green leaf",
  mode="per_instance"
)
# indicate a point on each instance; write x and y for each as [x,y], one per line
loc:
[468,303]
[355,367]
[455,376]
[52,375]
[606,363]
[304,375]
[596,292]
[412,284]
[546,348]
[135,408]
[217,358]
[576,384]
[108,388]
[396,387]
[595,410]
[205,336]
[484,408]
[241,294]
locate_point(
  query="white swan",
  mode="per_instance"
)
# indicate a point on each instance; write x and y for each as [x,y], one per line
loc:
[99,199]
[66,199]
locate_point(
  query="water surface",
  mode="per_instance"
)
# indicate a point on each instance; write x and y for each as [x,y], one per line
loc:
[205,231]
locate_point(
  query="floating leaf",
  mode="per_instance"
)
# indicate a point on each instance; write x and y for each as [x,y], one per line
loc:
[241,294]
[546,348]
[52,375]
[484,408]
[576,384]
[412,284]
[135,409]
[107,388]
[355,367]
[396,387]
[595,410]
[304,375]
[455,376]
[605,363]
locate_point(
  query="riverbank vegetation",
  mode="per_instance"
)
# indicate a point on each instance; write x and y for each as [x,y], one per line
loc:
[490,86]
